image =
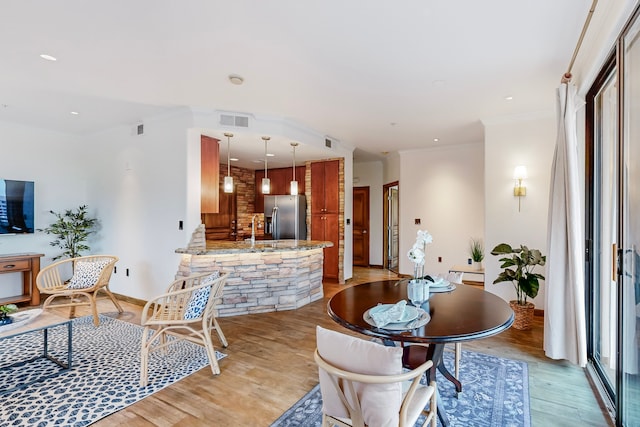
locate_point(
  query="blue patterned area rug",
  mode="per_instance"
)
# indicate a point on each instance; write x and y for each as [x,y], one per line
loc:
[495,394]
[104,377]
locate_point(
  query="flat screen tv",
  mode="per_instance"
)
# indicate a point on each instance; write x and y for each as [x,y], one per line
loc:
[16,206]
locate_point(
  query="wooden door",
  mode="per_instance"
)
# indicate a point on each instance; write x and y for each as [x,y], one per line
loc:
[391,232]
[394,241]
[361,226]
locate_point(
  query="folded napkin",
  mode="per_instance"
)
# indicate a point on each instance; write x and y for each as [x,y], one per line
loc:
[439,281]
[389,315]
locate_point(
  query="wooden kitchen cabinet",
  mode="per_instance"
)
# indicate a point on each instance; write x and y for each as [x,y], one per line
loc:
[325,190]
[280,183]
[325,227]
[325,208]
[209,174]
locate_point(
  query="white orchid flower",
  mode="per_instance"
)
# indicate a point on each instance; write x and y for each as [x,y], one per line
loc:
[416,255]
[424,237]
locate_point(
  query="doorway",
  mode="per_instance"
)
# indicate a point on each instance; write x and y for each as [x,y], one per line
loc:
[391,232]
[613,228]
[361,226]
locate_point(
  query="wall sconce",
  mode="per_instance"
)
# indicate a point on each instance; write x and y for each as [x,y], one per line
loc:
[228,180]
[294,183]
[266,182]
[519,190]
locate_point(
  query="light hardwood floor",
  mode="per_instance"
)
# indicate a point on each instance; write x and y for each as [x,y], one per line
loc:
[270,366]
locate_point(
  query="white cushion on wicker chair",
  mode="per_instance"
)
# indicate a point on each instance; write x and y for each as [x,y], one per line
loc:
[87,273]
[380,402]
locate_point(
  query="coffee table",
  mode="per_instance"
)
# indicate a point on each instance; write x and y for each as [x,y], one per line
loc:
[42,322]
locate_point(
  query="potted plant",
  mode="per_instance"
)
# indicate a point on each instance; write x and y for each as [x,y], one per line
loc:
[518,265]
[5,311]
[71,230]
[476,250]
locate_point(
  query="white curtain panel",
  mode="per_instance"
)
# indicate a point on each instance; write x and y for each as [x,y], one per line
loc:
[565,334]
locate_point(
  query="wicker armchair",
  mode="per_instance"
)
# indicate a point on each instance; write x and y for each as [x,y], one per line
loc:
[78,280]
[185,311]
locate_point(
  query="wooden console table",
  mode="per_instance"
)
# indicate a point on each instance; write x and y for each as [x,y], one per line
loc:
[29,265]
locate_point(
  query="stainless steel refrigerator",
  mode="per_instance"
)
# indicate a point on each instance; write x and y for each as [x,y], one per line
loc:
[285,217]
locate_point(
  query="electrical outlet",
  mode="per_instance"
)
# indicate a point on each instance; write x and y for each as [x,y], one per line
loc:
[439,259]
[115,269]
[180,225]
[127,272]
[417,221]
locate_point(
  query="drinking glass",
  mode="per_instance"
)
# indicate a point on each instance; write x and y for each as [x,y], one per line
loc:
[415,292]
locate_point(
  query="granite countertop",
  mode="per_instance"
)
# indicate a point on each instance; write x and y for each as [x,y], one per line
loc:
[223,247]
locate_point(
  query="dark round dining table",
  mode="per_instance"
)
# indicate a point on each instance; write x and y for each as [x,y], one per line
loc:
[463,314]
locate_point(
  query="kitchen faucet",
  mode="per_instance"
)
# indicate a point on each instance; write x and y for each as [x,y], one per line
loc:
[253,229]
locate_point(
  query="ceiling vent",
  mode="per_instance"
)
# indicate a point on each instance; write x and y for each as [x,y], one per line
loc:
[328,143]
[237,121]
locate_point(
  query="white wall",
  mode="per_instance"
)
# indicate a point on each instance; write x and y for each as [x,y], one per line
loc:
[443,186]
[528,141]
[57,164]
[370,174]
[391,168]
[140,186]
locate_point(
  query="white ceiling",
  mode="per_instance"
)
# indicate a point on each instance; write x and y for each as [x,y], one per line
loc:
[379,75]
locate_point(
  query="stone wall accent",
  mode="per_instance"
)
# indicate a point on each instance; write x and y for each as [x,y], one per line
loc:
[198,238]
[262,282]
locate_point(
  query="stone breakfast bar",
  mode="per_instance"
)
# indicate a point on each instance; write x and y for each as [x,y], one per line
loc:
[269,275]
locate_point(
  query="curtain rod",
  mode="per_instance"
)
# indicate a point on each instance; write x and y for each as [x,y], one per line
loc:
[566,77]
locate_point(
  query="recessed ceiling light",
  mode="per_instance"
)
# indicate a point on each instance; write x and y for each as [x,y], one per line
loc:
[435,140]
[508,98]
[233,159]
[236,79]
[75,113]
[270,155]
[393,123]
[48,57]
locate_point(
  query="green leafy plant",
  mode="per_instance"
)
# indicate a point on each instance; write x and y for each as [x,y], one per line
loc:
[518,268]
[71,230]
[476,250]
[7,309]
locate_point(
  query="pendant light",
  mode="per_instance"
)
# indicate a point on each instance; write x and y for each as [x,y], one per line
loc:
[266,183]
[228,180]
[294,183]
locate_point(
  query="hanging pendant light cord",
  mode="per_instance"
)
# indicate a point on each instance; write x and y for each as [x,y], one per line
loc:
[228,159]
[294,162]
[566,77]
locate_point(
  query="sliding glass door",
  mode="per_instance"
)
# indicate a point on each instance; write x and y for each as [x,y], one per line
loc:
[603,326]
[613,227]
[629,298]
